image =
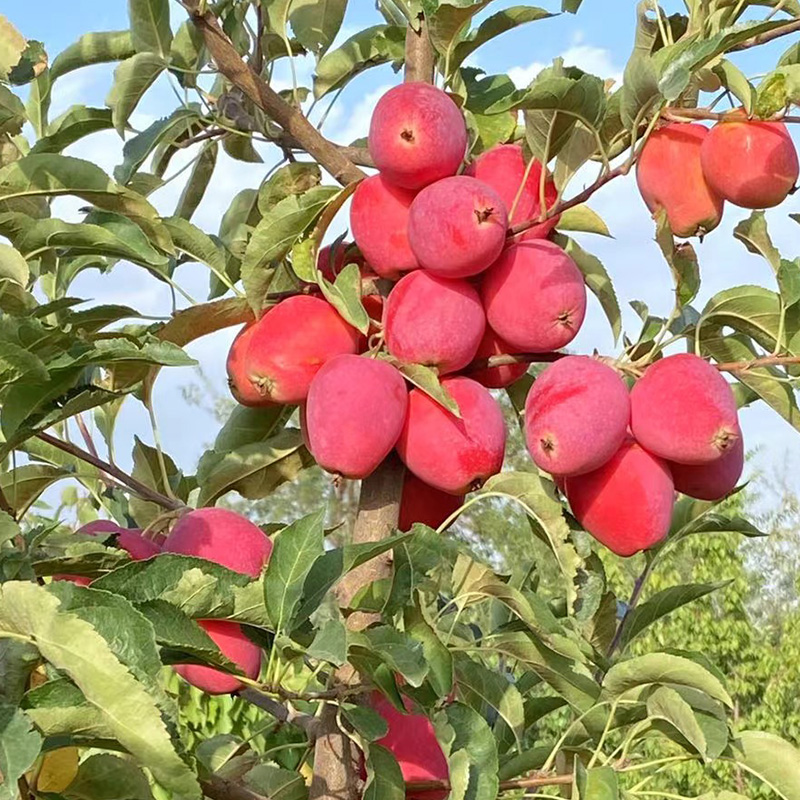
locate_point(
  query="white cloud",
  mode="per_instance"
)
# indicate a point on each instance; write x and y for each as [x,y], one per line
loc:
[594,60]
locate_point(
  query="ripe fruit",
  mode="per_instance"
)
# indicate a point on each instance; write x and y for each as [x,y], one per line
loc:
[242,388]
[417,135]
[627,503]
[457,227]
[379,221]
[503,168]
[333,258]
[355,411]
[448,453]
[289,344]
[683,410]
[433,321]
[229,539]
[420,502]
[412,741]
[576,416]
[710,481]
[534,296]
[136,545]
[236,647]
[496,377]
[223,537]
[670,176]
[753,164]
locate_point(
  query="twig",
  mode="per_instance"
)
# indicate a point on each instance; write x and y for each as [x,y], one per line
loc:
[505,786]
[281,712]
[241,75]
[507,359]
[145,492]
[767,361]
[632,603]
[222,789]
[420,60]
[673,113]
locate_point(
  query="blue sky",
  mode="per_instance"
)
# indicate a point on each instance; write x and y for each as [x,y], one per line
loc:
[598,39]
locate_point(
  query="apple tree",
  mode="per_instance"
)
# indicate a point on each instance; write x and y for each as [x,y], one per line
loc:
[389,658]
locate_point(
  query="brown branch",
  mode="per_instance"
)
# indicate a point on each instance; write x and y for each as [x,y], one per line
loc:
[763,38]
[420,59]
[241,75]
[507,359]
[281,712]
[222,789]
[145,492]
[675,113]
[767,361]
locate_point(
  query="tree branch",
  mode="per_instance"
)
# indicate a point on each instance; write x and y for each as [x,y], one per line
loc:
[507,359]
[763,38]
[222,789]
[145,492]
[420,59]
[636,594]
[281,712]
[533,782]
[767,361]
[241,75]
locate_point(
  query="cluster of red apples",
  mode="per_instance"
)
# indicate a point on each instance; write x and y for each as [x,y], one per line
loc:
[690,170]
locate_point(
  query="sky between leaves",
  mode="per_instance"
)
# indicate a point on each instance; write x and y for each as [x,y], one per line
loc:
[598,40]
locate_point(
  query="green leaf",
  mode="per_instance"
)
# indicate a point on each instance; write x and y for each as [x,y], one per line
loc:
[12,112]
[733,79]
[492,26]
[45,174]
[682,261]
[93,48]
[150,29]
[789,281]
[471,750]
[20,743]
[187,54]
[316,22]
[59,708]
[276,783]
[663,603]
[296,548]
[480,687]
[753,234]
[248,425]
[369,724]
[437,655]
[384,778]
[132,78]
[239,146]
[12,45]
[199,178]
[447,25]
[370,47]
[596,278]
[74,124]
[427,379]
[597,783]
[345,296]
[147,470]
[107,777]
[215,752]
[73,646]
[584,219]
[772,759]
[12,265]
[191,240]
[666,669]
[295,178]
[274,236]
[667,705]
[397,649]
[23,485]
[139,147]
[254,470]
[330,642]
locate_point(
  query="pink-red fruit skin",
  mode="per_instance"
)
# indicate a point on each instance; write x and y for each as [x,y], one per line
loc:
[354,414]
[496,377]
[576,416]
[451,454]
[425,504]
[223,537]
[242,388]
[137,547]
[290,343]
[232,541]
[534,296]
[412,741]
[627,503]
[683,410]
[457,227]
[753,164]
[417,135]
[236,647]
[670,176]
[503,167]
[710,481]
[379,221]
[433,321]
